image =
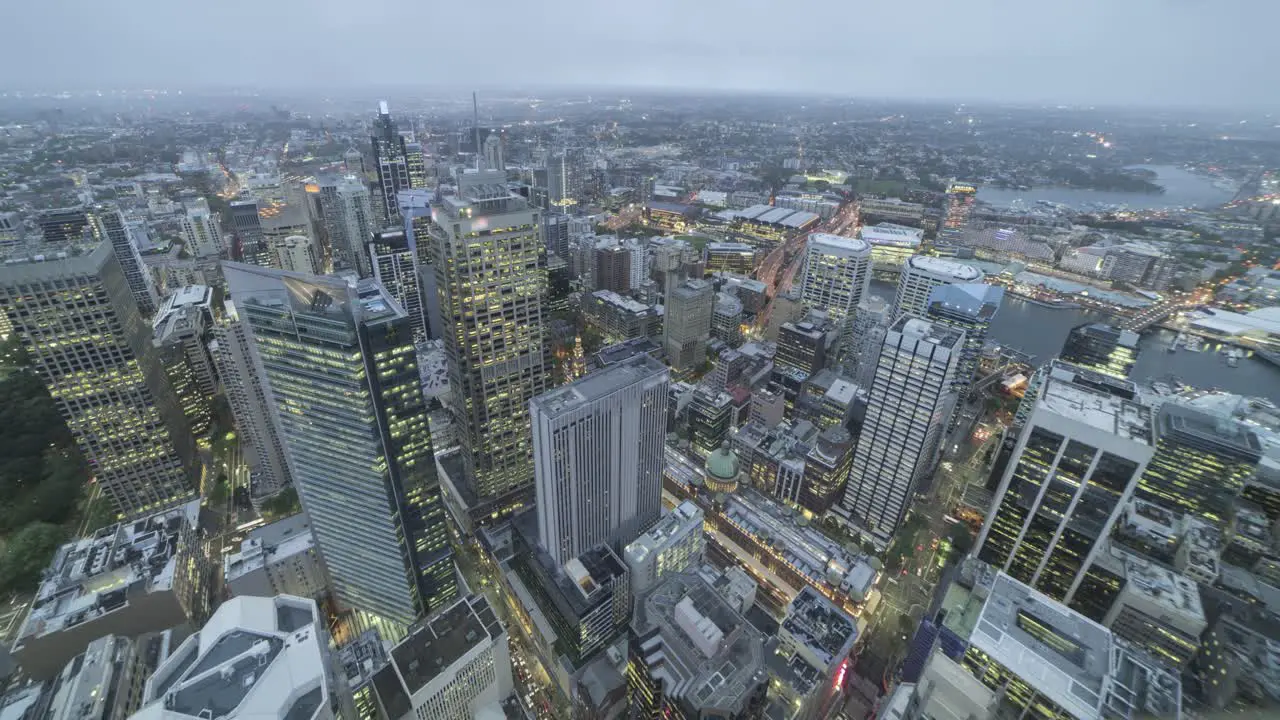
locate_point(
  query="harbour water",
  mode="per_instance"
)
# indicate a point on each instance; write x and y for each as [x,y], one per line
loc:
[1040,331]
[1181,189]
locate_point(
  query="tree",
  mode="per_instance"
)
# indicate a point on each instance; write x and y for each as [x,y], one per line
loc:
[28,553]
[282,505]
[961,538]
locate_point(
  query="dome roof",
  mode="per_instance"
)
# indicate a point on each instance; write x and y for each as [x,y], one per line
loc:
[723,463]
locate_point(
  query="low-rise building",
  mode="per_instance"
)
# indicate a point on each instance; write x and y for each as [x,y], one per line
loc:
[277,559]
[1158,611]
[813,646]
[127,579]
[674,544]
[257,657]
[620,318]
[454,665]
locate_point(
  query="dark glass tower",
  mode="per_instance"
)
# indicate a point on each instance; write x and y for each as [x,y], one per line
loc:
[1102,348]
[391,162]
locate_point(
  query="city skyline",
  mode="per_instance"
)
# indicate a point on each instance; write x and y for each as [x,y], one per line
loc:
[1135,50]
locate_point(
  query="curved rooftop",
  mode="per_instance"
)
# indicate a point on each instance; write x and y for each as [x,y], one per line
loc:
[945,268]
[839,244]
[722,464]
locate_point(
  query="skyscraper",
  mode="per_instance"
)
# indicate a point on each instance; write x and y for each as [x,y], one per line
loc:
[969,307]
[960,198]
[1201,462]
[1073,470]
[395,267]
[391,163]
[181,328]
[686,326]
[347,216]
[252,242]
[613,269]
[493,159]
[200,229]
[1102,348]
[339,362]
[921,274]
[910,402]
[111,227]
[837,273]
[565,174]
[79,322]
[256,421]
[598,454]
[492,285]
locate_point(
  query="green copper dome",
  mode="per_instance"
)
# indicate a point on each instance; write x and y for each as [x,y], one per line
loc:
[723,464]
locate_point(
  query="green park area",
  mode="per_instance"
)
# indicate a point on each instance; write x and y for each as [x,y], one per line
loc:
[44,494]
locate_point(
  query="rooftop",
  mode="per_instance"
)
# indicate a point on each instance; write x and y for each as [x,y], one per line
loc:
[666,528]
[894,235]
[601,383]
[1164,587]
[814,621]
[978,301]
[96,575]
[926,331]
[946,268]
[612,298]
[838,244]
[438,642]
[713,657]
[269,544]
[1118,416]
[1059,652]
[255,657]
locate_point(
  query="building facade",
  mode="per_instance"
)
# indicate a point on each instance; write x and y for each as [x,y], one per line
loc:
[910,400]
[686,324]
[340,365]
[598,457]
[921,274]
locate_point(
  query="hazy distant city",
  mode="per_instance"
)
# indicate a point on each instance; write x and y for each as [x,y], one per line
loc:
[606,400]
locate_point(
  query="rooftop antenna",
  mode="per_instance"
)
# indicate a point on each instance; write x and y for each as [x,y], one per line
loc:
[475,125]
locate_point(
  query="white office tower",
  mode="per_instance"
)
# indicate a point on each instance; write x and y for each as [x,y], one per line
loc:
[455,665]
[257,657]
[233,355]
[1074,469]
[674,544]
[865,331]
[348,217]
[491,279]
[921,274]
[296,253]
[910,402]
[493,159]
[837,273]
[111,227]
[200,229]
[598,457]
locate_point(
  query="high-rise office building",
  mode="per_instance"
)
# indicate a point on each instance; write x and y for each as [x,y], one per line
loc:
[391,163]
[65,225]
[395,267]
[837,273]
[200,229]
[1201,462]
[235,355]
[802,346]
[1073,470]
[251,244]
[909,404]
[296,253]
[613,269]
[969,307]
[686,325]
[492,286]
[339,361]
[1103,348]
[346,214]
[921,274]
[711,414]
[960,199]
[555,234]
[865,329]
[493,159]
[181,328]
[415,208]
[78,320]
[112,228]
[566,171]
[598,456]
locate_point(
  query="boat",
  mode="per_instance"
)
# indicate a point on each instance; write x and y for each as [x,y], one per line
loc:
[1194,344]
[1233,357]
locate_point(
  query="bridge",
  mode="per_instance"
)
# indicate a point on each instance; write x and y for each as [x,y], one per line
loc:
[1151,315]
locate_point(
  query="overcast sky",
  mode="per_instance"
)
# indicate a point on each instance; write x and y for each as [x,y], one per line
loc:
[1219,53]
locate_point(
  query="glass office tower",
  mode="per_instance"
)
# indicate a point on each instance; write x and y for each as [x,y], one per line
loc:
[340,364]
